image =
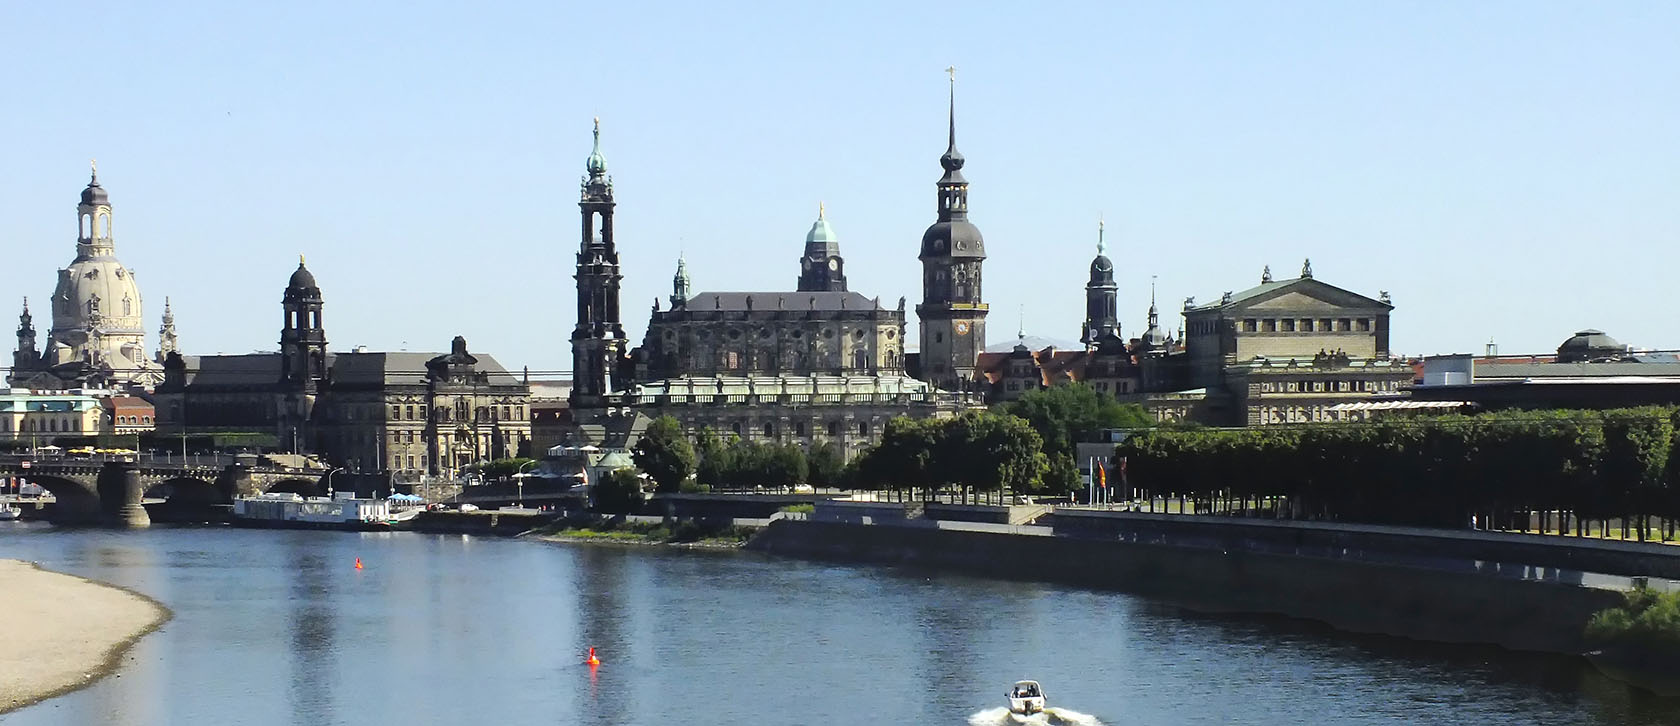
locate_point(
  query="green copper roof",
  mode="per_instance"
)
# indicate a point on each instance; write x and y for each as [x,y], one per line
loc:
[821,233]
[597,164]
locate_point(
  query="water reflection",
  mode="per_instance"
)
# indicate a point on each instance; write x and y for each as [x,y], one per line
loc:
[310,620]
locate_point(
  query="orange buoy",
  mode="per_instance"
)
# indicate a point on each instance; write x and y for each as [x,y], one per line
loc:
[358,563]
[592,659]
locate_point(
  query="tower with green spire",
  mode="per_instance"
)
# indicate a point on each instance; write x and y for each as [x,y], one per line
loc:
[680,285]
[598,339]
[821,269]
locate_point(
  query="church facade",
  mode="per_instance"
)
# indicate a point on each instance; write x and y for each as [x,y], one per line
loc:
[817,363]
[97,337]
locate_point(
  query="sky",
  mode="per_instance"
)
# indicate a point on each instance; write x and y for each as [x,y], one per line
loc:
[1505,170]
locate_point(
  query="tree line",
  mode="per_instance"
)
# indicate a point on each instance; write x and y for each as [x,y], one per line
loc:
[1497,467]
[1022,446]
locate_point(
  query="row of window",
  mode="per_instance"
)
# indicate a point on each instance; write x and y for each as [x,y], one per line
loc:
[1306,325]
[413,412]
[134,420]
[51,425]
[1337,386]
[735,360]
[799,429]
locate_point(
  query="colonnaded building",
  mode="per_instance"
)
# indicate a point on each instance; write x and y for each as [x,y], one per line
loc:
[817,363]
[407,413]
[98,336]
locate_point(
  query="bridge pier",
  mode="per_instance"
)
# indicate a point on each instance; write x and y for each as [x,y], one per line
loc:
[120,495]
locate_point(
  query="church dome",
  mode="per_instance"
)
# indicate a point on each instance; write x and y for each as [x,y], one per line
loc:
[954,238]
[94,195]
[98,293]
[1589,345]
[302,279]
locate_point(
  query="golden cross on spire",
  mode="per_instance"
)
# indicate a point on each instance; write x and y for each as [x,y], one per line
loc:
[820,210]
[952,72]
[300,260]
[93,167]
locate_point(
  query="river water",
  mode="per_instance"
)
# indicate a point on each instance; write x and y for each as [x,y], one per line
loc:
[275,627]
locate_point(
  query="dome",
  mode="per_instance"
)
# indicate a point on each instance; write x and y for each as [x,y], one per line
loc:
[302,279]
[98,289]
[956,238]
[821,233]
[94,195]
[1101,269]
[1588,345]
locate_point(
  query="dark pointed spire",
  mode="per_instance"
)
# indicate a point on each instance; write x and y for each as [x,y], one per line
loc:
[952,160]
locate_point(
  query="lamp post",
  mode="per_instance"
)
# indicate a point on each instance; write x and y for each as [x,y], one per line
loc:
[335,470]
[519,478]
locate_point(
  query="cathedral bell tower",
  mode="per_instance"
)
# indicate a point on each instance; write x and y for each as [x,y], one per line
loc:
[598,341]
[953,317]
[821,269]
[1102,310]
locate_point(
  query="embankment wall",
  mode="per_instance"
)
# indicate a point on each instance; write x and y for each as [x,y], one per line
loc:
[1364,597]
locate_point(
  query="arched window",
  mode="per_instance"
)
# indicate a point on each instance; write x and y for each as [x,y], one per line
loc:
[103,226]
[85,227]
[769,430]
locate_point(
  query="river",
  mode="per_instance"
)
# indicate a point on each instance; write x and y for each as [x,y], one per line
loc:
[275,627]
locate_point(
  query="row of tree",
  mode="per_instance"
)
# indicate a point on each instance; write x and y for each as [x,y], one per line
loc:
[976,454]
[1432,471]
[712,461]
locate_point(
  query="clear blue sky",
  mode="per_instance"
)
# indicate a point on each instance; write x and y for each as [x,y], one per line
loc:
[1505,169]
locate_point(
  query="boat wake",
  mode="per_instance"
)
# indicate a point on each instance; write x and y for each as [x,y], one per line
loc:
[1051,716]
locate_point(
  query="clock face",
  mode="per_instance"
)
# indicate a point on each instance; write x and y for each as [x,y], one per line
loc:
[833,264]
[962,328]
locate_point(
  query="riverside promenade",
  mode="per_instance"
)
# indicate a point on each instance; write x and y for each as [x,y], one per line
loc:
[1523,592]
[71,631]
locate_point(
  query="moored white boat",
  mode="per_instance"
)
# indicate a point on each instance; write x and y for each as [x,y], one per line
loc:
[9,512]
[1026,698]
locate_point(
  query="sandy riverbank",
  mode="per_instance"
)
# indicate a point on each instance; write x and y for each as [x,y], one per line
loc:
[67,632]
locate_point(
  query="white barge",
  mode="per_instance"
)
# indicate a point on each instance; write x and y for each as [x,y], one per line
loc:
[291,511]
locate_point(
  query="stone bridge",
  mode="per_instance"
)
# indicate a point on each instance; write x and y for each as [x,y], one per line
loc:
[110,492]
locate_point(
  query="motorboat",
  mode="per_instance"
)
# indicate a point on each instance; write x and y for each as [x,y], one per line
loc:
[1026,698]
[9,512]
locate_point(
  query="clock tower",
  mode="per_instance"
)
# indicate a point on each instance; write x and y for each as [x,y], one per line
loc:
[953,317]
[821,269]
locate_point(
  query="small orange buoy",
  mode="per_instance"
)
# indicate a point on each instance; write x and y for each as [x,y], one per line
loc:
[358,563]
[592,659]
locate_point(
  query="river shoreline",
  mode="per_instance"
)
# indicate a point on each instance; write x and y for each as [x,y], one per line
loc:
[80,631]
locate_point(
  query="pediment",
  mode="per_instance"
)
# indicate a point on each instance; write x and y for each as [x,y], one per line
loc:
[1309,296]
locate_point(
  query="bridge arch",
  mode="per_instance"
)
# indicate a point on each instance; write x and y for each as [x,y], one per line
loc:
[75,500]
[185,490]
